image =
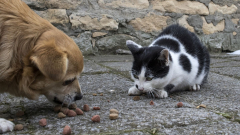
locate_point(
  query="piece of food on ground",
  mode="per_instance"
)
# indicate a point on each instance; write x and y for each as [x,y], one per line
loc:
[113,116]
[96,108]
[67,130]
[96,118]
[86,108]
[71,113]
[64,110]
[114,111]
[79,111]
[43,122]
[61,115]
[180,104]
[18,127]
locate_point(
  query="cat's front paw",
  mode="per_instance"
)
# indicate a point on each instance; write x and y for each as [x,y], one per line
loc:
[194,87]
[161,94]
[133,91]
[5,126]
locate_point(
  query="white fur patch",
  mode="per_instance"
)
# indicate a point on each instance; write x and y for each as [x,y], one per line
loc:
[133,91]
[132,42]
[235,53]
[6,126]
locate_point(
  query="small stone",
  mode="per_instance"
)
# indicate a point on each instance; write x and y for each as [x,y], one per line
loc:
[18,127]
[57,108]
[136,98]
[108,100]
[96,118]
[20,113]
[151,102]
[101,94]
[43,122]
[96,108]
[64,110]
[79,111]
[86,108]
[61,115]
[114,111]
[234,33]
[113,116]
[73,106]
[71,113]
[94,94]
[180,104]
[67,130]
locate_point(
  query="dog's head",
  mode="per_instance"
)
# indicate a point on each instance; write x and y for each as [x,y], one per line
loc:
[53,68]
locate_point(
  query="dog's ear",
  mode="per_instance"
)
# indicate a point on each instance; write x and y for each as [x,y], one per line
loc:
[50,60]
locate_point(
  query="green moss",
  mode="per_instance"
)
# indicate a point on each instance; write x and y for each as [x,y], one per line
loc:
[226,115]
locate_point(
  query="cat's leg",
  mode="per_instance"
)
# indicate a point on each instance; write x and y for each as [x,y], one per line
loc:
[194,87]
[5,126]
[164,93]
[160,94]
[133,91]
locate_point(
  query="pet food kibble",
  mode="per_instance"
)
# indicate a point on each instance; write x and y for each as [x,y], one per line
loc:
[94,94]
[18,127]
[73,106]
[180,104]
[79,111]
[113,111]
[43,122]
[86,108]
[71,113]
[67,130]
[64,110]
[20,113]
[96,108]
[113,116]
[151,102]
[96,118]
[136,98]
[57,108]
[101,94]
[61,115]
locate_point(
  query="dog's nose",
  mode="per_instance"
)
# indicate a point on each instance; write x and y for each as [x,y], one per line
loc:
[78,97]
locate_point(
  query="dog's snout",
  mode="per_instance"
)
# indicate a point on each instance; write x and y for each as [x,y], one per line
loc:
[78,97]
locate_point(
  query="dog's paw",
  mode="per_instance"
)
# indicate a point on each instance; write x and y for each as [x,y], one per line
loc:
[6,126]
[194,87]
[161,94]
[133,91]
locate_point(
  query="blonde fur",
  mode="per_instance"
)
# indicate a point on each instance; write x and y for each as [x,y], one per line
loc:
[35,57]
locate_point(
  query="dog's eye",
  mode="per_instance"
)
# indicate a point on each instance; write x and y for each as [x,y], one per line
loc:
[68,82]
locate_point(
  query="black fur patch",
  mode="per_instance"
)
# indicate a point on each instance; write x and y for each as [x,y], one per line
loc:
[185,63]
[148,57]
[169,43]
[169,87]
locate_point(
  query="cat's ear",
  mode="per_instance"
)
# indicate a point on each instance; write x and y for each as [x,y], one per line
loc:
[132,46]
[164,56]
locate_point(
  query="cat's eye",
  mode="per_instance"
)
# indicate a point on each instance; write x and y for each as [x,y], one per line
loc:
[68,82]
[135,76]
[148,78]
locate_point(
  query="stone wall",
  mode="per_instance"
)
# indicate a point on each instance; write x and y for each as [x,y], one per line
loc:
[103,26]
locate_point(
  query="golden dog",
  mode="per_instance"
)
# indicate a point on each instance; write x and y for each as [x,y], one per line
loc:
[36,58]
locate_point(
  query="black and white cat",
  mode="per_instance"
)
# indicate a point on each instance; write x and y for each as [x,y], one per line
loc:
[175,60]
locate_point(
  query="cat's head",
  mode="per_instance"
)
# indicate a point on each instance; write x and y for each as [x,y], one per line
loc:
[151,66]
